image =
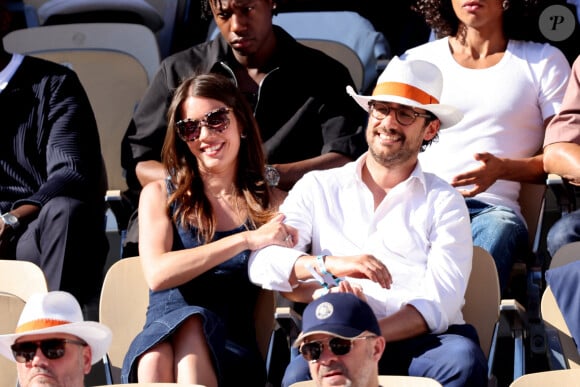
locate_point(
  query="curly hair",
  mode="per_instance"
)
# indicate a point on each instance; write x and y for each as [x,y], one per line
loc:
[206,7]
[518,16]
[191,204]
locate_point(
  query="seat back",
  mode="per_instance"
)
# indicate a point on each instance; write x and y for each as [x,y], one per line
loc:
[343,54]
[10,308]
[562,342]
[561,345]
[389,381]
[114,62]
[91,11]
[566,254]
[531,202]
[18,281]
[407,381]
[482,298]
[146,384]
[362,37]
[548,378]
[21,278]
[123,305]
[264,320]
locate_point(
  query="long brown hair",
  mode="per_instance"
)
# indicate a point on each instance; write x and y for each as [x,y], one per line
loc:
[192,207]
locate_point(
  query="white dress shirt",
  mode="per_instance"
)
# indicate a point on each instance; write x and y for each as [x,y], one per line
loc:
[421,231]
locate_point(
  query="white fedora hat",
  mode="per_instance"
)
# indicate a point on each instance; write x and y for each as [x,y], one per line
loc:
[57,312]
[415,83]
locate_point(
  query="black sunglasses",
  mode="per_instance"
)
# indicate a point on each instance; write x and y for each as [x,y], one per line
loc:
[217,121]
[311,351]
[52,349]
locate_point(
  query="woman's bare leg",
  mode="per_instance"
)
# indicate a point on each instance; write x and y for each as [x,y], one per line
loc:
[192,355]
[156,365]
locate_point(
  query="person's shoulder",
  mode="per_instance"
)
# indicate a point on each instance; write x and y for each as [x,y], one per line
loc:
[194,56]
[41,71]
[328,178]
[426,49]
[45,67]
[576,65]
[535,51]
[299,54]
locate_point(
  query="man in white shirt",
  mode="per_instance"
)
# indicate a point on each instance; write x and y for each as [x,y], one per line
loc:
[396,237]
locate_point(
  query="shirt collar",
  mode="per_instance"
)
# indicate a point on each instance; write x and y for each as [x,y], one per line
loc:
[416,175]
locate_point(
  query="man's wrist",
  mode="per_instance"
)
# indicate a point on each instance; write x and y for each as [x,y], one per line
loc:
[271,175]
[10,220]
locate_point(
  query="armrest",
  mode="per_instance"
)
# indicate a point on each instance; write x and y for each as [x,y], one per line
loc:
[563,191]
[516,317]
[119,207]
[289,320]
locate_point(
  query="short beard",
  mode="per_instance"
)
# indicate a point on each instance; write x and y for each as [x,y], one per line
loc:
[392,160]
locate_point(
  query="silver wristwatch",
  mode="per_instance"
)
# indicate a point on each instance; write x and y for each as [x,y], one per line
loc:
[10,220]
[272,176]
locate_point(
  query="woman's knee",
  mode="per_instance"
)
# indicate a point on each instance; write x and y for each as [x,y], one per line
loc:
[192,326]
[157,364]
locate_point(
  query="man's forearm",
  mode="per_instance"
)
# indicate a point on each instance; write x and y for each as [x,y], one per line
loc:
[290,173]
[563,158]
[406,323]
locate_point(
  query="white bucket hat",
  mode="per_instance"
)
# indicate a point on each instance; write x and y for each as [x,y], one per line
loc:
[57,312]
[415,83]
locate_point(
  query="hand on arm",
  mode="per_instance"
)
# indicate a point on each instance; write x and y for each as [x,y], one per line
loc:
[492,168]
[309,291]
[275,232]
[165,269]
[357,266]
[360,266]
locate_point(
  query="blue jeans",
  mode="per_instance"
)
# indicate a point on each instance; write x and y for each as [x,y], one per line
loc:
[565,230]
[498,230]
[453,358]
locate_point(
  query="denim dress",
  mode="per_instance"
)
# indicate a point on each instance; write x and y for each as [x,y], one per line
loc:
[225,298]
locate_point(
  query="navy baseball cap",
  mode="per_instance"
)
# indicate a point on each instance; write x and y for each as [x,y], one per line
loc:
[339,314]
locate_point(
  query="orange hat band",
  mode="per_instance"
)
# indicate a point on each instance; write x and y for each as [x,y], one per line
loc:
[406,91]
[40,324]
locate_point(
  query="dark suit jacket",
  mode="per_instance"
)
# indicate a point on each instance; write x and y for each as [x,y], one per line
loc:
[49,143]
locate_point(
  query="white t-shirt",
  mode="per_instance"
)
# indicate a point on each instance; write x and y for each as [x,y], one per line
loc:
[504,105]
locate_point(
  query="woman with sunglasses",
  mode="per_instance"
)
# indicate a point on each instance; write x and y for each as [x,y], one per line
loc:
[196,231]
